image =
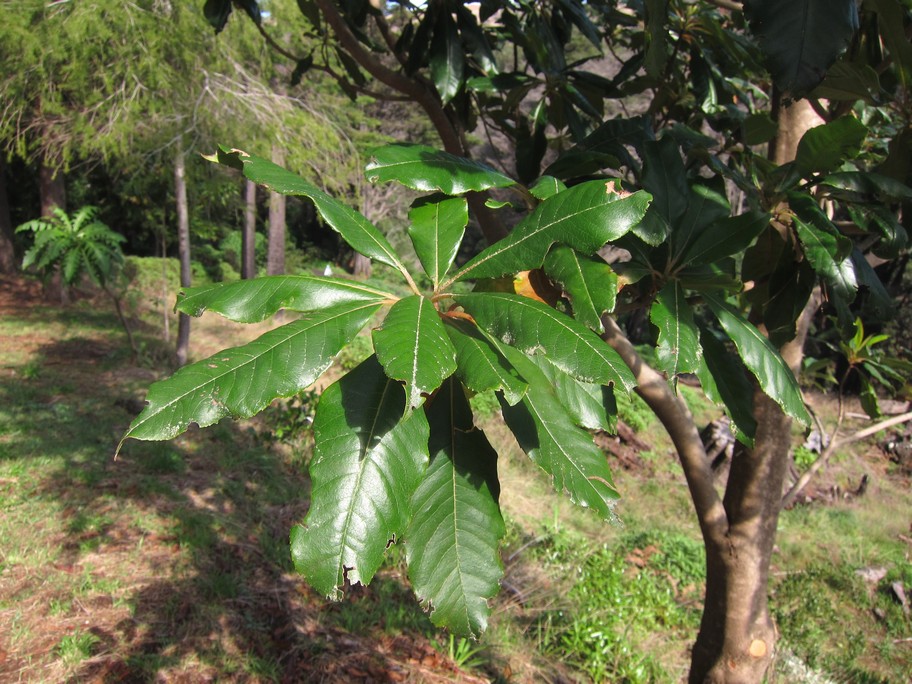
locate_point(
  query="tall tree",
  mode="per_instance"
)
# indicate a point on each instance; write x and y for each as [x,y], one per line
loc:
[275,255]
[183,240]
[8,263]
[248,237]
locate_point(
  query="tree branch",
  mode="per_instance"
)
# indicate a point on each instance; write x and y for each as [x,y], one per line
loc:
[834,444]
[679,423]
[727,4]
[492,229]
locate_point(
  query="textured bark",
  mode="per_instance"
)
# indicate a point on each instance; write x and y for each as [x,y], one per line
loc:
[275,257]
[248,235]
[183,248]
[52,194]
[51,187]
[8,262]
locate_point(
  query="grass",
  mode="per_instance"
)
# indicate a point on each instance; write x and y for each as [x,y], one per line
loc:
[172,563]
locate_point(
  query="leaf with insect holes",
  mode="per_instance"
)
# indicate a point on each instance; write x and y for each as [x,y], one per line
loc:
[370,454]
[533,327]
[242,381]
[413,347]
[251,301]
[678,349]
[452,544]
[583,217]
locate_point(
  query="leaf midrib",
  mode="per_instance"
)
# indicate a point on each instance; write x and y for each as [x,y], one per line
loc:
[252,359]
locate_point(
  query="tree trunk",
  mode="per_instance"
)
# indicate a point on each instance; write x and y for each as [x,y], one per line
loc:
[52,192]
[248,235]
[737,634]
[361,266]
[183,247]
[275,260]
[8,263]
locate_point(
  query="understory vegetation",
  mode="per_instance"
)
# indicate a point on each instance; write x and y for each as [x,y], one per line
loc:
[171,563]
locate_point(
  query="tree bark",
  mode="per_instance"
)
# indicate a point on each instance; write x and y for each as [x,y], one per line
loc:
[52,194]
[8,262]
[51,187]
[183,248]
[275,259]
[248,235]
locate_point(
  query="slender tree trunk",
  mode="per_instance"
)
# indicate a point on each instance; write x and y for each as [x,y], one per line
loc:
[166,320]
[248,235]
[183,246]
[275,260]
[8,263]
[737,635]
[52,193]
[52,188]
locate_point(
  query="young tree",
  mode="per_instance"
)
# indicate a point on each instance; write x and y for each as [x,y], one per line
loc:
[725,288]
[77,246]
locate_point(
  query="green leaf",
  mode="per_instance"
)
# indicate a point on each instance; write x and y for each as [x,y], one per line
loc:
[453,540]
[436,231]
[822,248]
[591,406]
[548,434]
[665,178]
[605,147]
[823,149]
[423,168]
[217,13]
[705,206]
[724,380]
[761,358]
[354,228]
[877,301]
[868,399]
[413,347]
[758,129]
[590,283]
[584,217]
[547,186]
[446,59]
[479,365]
[369,458]
[242,381]
[892,23]
[801,38]
[849,81]
[725,237]
[534,328]
[656,50]
[251,301]
[678,349]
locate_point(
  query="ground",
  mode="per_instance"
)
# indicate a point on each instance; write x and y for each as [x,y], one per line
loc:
[170,563]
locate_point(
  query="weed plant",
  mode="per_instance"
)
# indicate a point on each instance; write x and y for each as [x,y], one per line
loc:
[623,596]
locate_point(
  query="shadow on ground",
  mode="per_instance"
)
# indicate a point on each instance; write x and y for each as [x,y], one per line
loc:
[174,558]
